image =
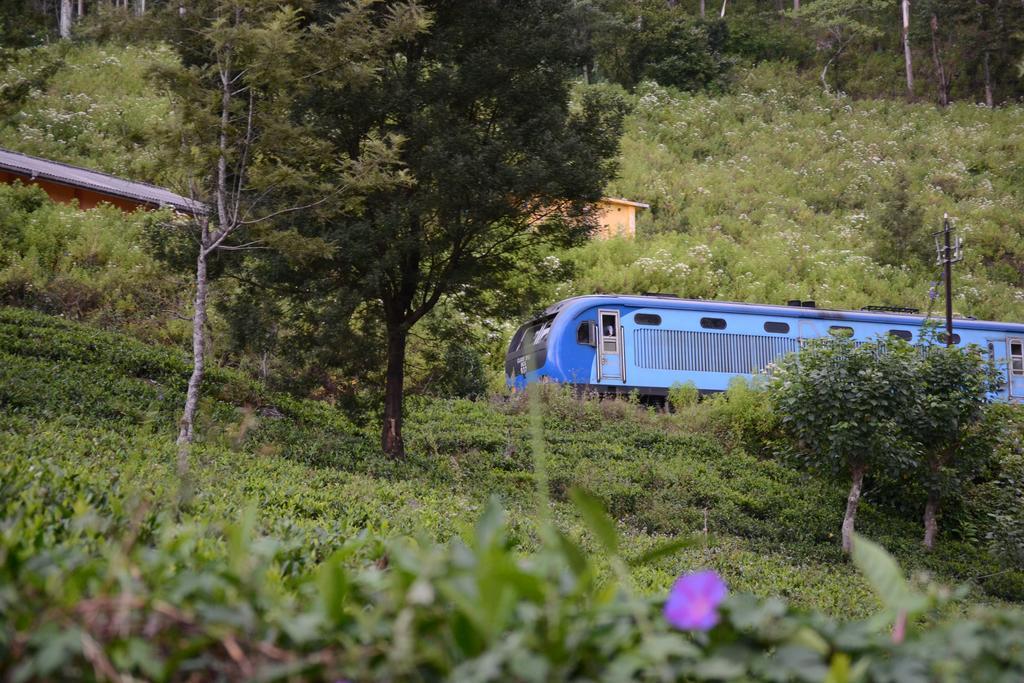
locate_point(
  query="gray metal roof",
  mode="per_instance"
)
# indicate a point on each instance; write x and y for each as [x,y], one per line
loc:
[74,176]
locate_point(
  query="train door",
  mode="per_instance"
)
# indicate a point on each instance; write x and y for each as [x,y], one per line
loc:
[1015,364]
[610,364]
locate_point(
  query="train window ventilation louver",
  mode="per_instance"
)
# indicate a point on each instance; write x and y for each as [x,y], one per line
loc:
[712,323]
[943,337]
[647,319]
[905,335]
[776,328]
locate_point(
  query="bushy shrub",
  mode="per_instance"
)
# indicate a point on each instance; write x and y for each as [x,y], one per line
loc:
[683,395]
[172,602]
[86,265]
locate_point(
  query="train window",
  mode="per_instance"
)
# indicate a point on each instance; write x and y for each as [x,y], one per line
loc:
[1017,357]
[905,335]
[532,336]
[586,333]
[712,323]
[608,325]
[647,319]
[841,331]
[776,328]
[943,337]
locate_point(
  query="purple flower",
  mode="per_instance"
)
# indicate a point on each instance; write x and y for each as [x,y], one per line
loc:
[692,603]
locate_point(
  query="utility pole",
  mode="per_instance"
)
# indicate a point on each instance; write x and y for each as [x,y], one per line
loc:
[948,252]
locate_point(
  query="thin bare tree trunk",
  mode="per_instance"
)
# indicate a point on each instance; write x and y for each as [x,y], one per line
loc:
[796,5]
[940,71]
[81,8]
[852,501]
[195,381]
[931,521]
[989,99]
[703,10]
[64,21]
[906,49]
[140,7]
[722,15]
[208,243]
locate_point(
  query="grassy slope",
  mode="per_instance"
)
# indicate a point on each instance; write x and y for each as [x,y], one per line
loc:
[99,408]
[93,106]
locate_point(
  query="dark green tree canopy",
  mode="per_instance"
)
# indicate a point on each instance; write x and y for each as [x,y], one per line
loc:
[500,158]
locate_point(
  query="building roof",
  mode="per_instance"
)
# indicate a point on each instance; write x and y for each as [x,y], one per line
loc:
[626,202]
[103,183]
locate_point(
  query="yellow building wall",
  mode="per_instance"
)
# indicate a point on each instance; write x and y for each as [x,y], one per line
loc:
[616,220]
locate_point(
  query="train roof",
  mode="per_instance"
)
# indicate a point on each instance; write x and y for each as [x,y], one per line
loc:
[577,304]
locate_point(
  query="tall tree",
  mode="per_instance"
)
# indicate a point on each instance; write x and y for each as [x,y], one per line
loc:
[243,63]
[845,408]
[953,387]
[64,21]
[502,161]
[840,23]
[907,55]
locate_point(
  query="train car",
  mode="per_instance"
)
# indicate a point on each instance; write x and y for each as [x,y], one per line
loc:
[617,344]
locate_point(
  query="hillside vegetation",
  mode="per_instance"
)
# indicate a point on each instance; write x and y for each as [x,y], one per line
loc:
[528,538]
[101,431]
[779,191]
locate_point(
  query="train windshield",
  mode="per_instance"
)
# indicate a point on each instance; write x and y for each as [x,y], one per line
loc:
[533,336]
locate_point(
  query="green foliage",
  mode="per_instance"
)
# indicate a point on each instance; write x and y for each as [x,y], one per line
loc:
[89,105]
[956,441]
[638,41]
[157,599]
[82,264]
[845,403]
[683,395]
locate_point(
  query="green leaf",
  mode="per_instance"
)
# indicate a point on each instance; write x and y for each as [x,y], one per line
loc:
[664,550]
[577,559]
[596,519]
[885,576]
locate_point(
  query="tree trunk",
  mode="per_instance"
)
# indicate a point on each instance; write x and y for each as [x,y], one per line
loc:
[931,507]
[931,520]
[852,501]
[796,5]
[195,382]
[940,72]
[722,15]
[81,8]
[394,388]
[989,99]
[64,21]
[906,49]
[702,9]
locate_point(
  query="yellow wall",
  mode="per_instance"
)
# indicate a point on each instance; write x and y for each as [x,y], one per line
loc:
[616,220]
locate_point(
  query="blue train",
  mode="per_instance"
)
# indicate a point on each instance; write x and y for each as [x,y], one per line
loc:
[615,344]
